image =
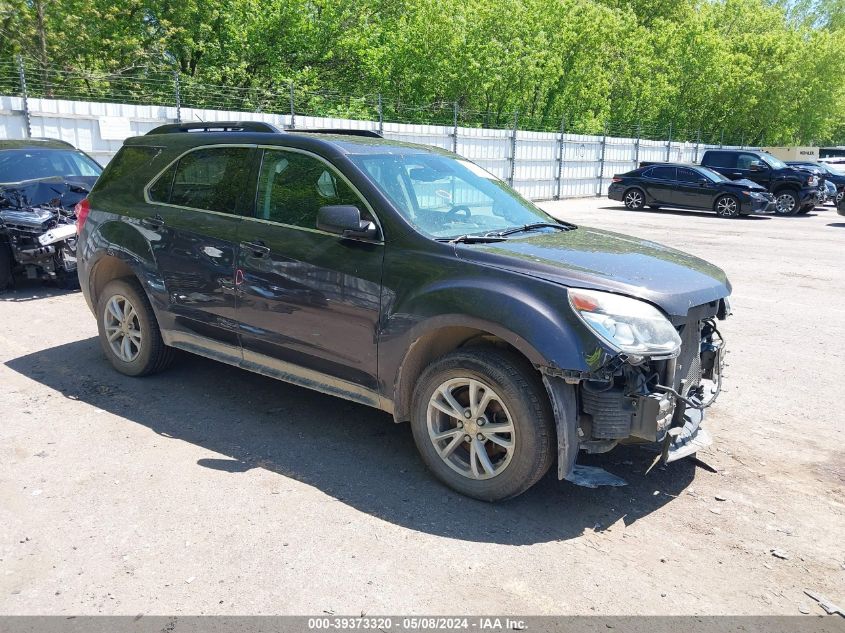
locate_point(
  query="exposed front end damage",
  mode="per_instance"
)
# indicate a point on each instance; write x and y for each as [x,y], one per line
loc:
[642,400]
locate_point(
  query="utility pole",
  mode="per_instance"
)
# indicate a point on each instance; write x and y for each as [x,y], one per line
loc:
[669,144]
[455,127]
[380,117]
[601,160]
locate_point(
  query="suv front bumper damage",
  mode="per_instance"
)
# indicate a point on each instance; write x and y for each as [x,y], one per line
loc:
[658,402]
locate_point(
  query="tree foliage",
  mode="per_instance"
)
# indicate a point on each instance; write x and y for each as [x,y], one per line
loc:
[758,71]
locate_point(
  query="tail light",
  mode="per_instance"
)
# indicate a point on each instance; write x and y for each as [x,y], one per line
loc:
[81,209]
[616,179]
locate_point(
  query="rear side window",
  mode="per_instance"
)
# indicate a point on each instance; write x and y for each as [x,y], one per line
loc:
[721,159]
[212,179]
[130,161]
[744,161]
[293,186]
[662,173]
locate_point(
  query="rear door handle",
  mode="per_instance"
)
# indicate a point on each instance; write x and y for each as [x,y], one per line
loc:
[258,248]
[153,222]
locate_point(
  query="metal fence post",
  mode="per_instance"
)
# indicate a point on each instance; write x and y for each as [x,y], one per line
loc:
[637,145]
[292,108]
[455,127]
[561,149]
[742,141]
[380,117]
[178,94]
[513,148]
[25,95]
[601,161]
[697,144]
[669,144]
[722,140]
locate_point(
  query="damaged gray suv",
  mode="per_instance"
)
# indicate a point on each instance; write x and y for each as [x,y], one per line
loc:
[405,278]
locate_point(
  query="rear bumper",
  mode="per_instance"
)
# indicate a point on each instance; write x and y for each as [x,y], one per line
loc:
[615,191]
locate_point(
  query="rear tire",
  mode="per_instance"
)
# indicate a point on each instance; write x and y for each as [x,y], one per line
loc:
[634,199]
[129,332]
[787,202]
[487,390]
[726,207]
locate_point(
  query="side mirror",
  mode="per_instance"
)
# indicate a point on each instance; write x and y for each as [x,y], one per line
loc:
[703,182]
[756,166]
[345,220]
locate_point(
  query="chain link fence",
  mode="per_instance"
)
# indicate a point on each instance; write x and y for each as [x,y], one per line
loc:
[541,158]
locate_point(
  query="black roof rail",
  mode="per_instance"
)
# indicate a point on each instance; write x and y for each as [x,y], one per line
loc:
[51,140]
[344,132]
[216,126]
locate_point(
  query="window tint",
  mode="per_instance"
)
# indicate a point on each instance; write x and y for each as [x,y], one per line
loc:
[744,161]
[721,159]
[662,173]
[688,175]
[292,187]
[124,168]
[212,179]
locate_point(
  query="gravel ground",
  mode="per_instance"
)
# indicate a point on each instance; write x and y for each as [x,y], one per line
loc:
[209,490]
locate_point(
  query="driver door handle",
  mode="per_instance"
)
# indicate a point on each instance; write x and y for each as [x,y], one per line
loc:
[257,248]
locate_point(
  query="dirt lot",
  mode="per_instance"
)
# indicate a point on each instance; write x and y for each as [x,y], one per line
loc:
[211,490]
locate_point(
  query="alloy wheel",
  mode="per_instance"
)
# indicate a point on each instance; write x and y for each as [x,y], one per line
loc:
[634,199]
[785,202]
[727,207]
[123,329]
[470,428]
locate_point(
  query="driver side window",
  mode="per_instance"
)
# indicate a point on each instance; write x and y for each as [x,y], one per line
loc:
[292,187]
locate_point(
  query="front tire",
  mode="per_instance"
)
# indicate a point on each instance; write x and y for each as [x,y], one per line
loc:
[787,202]
[482,422]
[634,199]
[129,332]
[5,265]
[727,207]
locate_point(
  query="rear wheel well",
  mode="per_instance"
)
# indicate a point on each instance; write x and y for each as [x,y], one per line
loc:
[104,271]
[433,345]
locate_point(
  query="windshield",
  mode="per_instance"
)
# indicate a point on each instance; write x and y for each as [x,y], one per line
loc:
[715,176]
[446,197]
[771,161]
[28,164]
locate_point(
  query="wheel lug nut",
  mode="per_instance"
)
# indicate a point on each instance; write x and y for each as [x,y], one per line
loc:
[479,436]
[467,414]
[480,421]
[460,424]
[467,438]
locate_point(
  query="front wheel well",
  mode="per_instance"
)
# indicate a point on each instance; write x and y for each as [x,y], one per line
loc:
[432,346]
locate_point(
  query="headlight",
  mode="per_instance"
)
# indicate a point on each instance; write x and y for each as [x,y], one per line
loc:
[627,325]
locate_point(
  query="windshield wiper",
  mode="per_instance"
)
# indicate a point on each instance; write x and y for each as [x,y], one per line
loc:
[472,239]
[563,226]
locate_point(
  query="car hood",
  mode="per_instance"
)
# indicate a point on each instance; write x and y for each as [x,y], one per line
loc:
[601,260]
[745,184]
[49,192]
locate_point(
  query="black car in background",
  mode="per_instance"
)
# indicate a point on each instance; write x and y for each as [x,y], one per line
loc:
[41,180]
[830,175]
[795,189]
[683,186]
[408,279]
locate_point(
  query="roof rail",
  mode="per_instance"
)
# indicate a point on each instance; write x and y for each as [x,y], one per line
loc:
[216,126]
[52,140]
[344,132]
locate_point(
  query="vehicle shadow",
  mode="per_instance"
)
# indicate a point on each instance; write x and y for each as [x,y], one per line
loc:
[688,213]
[31,290]
[350,452]
[840,225]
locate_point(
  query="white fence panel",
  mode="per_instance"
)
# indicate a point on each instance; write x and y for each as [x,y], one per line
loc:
[541,165]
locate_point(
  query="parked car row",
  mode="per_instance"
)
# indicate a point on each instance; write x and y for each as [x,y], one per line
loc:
[730,183]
